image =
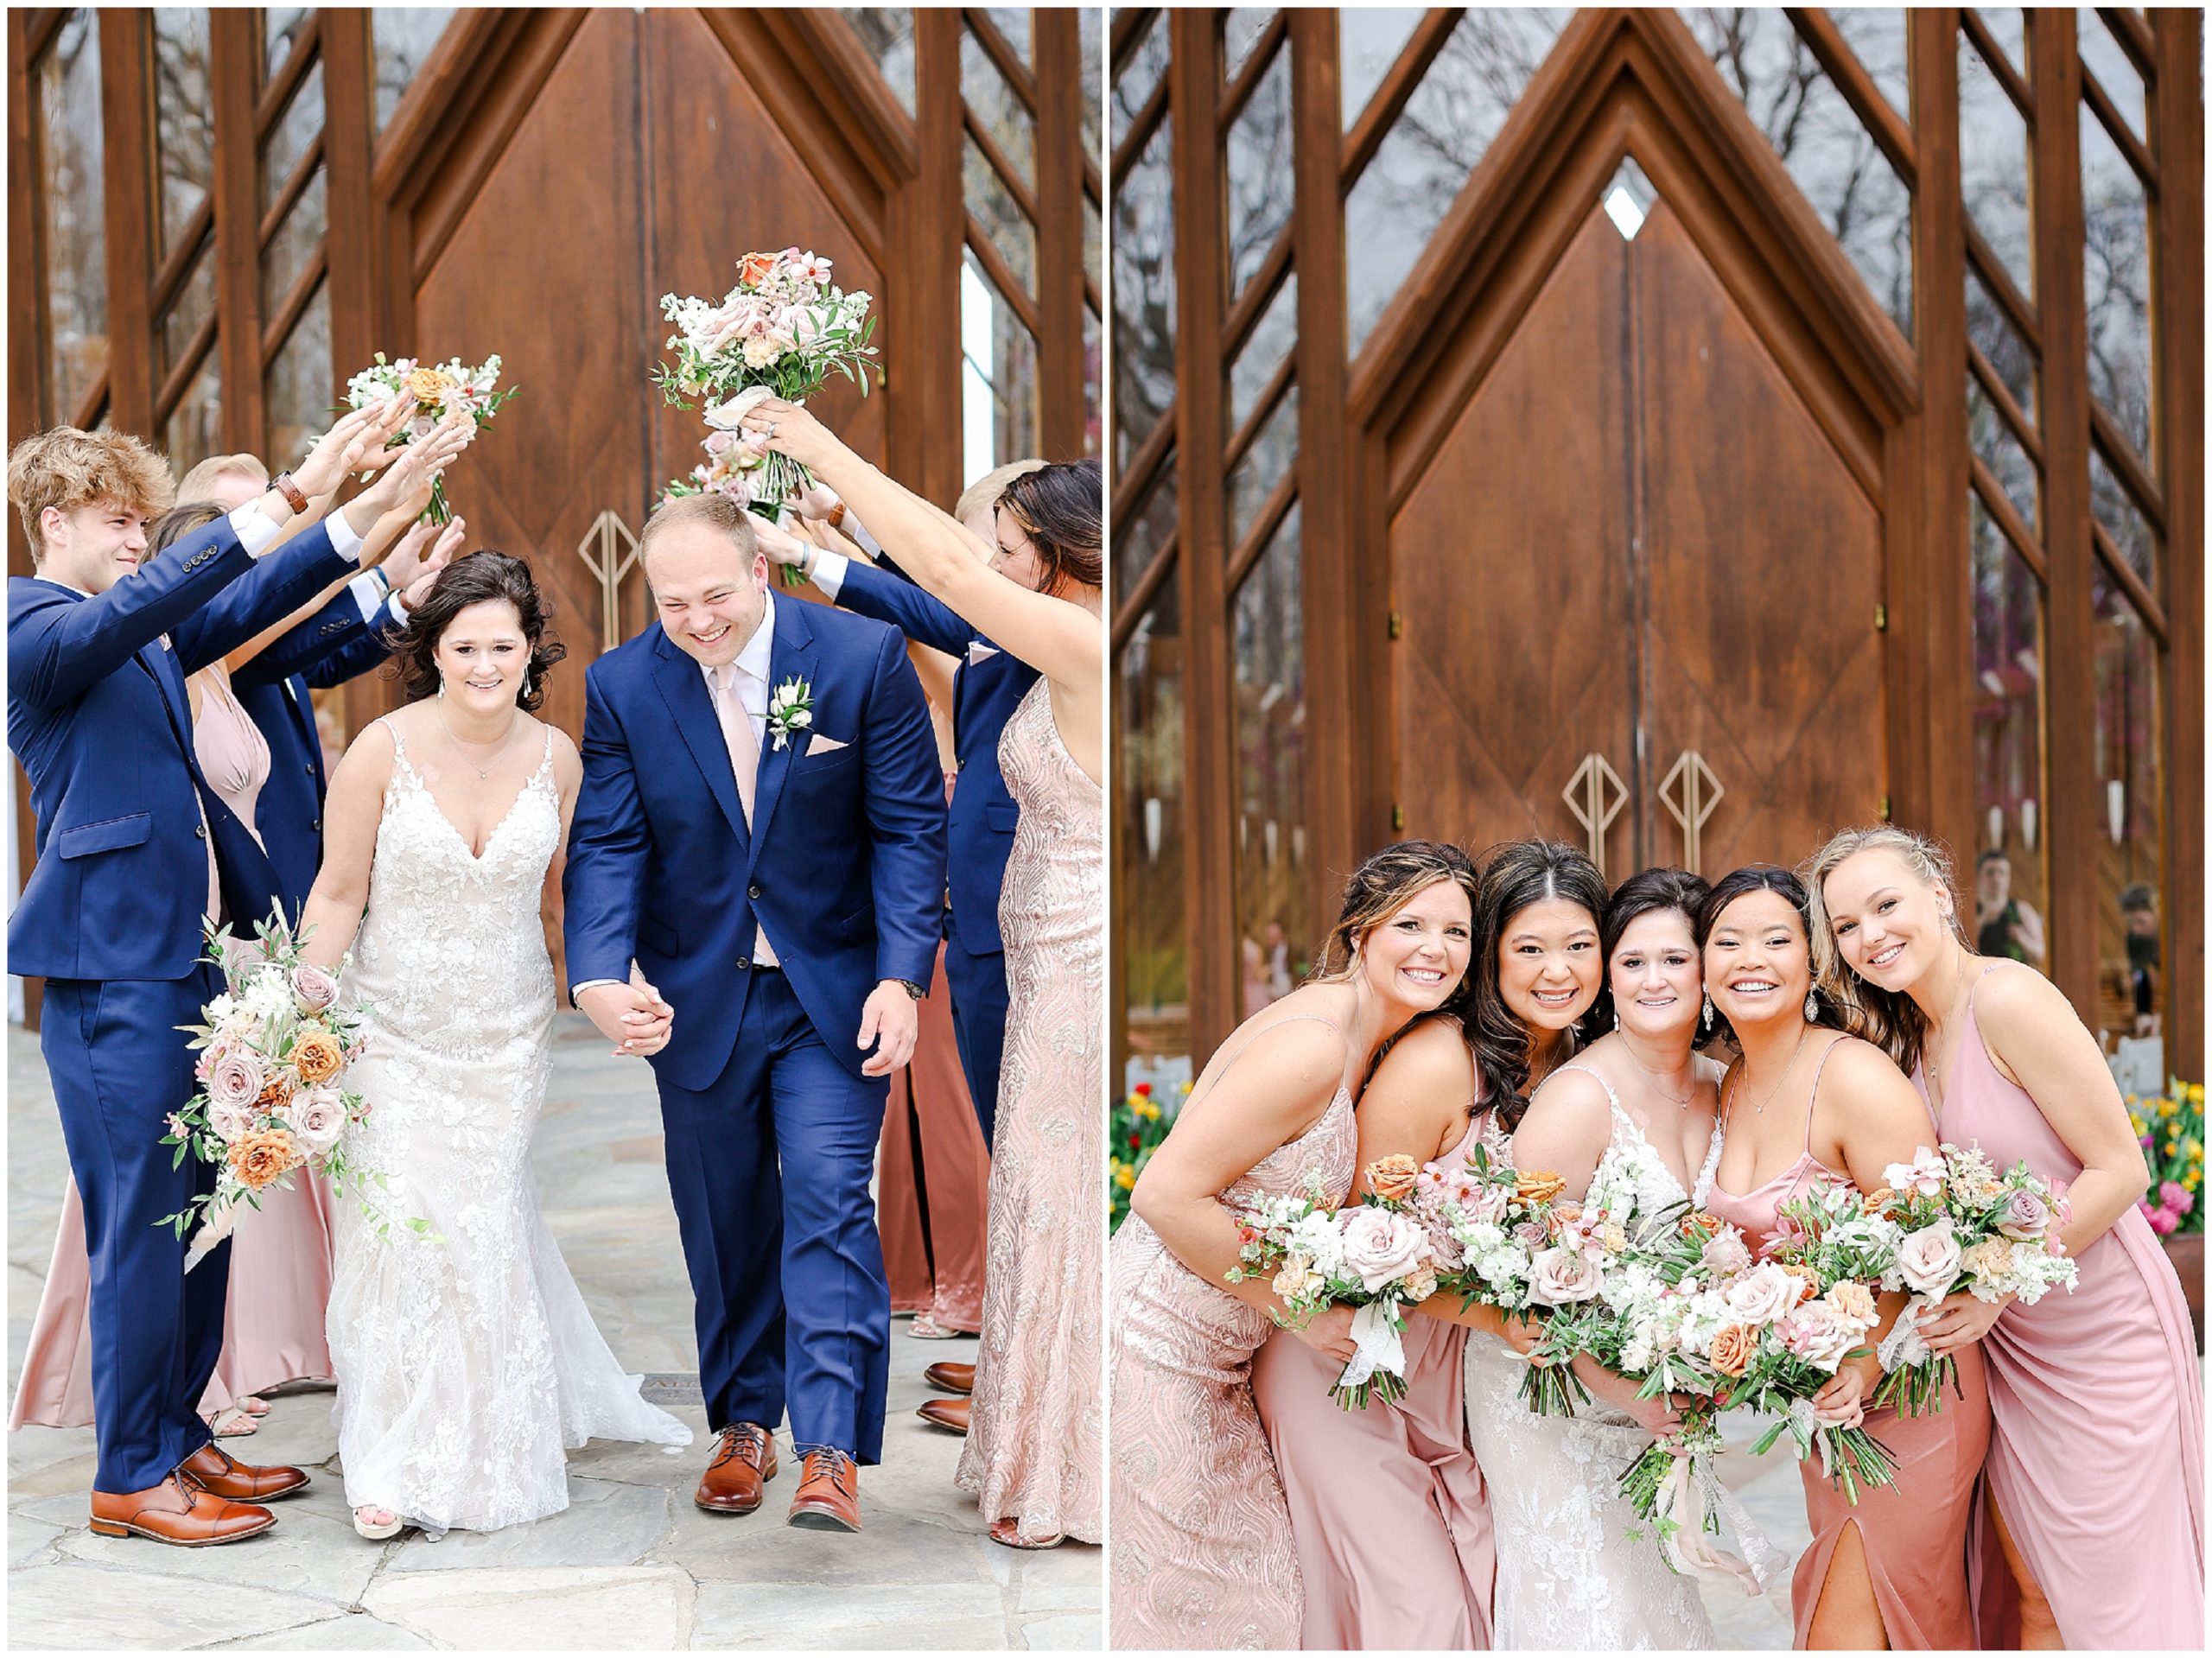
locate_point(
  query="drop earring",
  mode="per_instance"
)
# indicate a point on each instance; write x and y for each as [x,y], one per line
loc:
[1812,1008]
[1616,1016]
[442,684]
[1704,1019]
[525,684]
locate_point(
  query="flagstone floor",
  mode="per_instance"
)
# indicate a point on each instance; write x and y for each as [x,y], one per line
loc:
[632,1563]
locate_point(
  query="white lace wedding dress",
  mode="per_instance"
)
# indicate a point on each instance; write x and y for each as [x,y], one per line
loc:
[1569,1575]
[467,1362]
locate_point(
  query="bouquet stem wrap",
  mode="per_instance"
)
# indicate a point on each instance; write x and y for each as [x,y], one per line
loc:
[1382,1351]
[1689,1497]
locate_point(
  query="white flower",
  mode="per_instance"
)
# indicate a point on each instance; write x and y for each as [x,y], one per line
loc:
[1381,1245]
[808,267]
[1923,1176]
[1761,1295]
[762,351]
[1929,1260]
[1558,1277]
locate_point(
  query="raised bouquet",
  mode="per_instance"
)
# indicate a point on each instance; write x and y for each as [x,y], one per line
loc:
[449,388]
[1373,1256]
[1963,1229]
[272,1095]
[781,332]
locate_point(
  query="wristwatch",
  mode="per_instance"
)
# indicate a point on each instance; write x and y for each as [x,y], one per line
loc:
[283,484]
[914,990]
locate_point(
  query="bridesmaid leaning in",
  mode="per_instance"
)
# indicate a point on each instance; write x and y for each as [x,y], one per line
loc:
[1036,1422]
[1401,1557]
[1202,1554]
[1805,1100]
[2094,1480]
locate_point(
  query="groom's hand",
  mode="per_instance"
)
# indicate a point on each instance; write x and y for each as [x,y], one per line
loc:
[889,1014]
[631,1016]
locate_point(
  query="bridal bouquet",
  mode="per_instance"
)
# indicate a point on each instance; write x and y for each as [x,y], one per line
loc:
[1963,1228]
[781,332]
[1373,1256]
[450,387]
[271,1070]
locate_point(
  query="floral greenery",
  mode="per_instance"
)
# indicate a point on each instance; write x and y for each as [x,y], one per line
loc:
[1140,1124]
[2171,1129]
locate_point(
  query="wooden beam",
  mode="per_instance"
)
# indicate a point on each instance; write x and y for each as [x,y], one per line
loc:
[1993,55]
[178,259]
[1060,275]
[2177,296]
[2135,38]
[349,146]
[2122,575]
[288,310]
[2006,517]
[1883,124]
[181,374]
[289,192]
[234,47]
[1133,482]
[2015,417]
[1001,274]
[276,96]
[1259,293]
[1389,99]
[1262,410]
[2069,631]
[1001,163]
[927,225]
[2120,454]
[868,101]
[1257,534]
[1129,612]
[2116,127]
[126,106]
[1140,133]
[1130,24]
[1008,62]
[1239,91]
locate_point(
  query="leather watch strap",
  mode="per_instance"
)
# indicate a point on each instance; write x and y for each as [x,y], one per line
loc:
[294,497]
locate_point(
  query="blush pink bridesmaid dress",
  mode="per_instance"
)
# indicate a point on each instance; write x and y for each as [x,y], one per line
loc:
[2097,1459]
[1387,1507]
[1914,1532]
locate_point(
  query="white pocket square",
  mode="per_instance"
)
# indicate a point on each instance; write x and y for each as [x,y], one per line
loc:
[822,745]
[979,651]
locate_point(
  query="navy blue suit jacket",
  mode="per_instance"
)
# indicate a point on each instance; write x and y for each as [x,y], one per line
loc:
[329,648]
[984,696]
[843,867]
[98,714]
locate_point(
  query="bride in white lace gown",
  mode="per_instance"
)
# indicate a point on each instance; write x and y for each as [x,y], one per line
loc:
[467,1364]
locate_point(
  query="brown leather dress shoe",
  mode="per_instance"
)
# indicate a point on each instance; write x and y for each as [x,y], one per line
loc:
[829,1495]
[951,1414]
[744,1460]
[224,1475]
[180,1511]
[953,1378]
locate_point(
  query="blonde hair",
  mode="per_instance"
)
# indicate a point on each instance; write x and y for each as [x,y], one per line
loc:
[711,508]
[1890,1020]
[984,492]
[199,483]
[66,469]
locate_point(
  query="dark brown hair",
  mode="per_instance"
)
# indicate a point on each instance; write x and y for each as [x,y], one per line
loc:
[1518,875]
[1059,508]
[1765,878]
[477,578]
[179,522]
[1646,892]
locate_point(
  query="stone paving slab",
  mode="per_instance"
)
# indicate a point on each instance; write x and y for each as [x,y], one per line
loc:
[631,1564]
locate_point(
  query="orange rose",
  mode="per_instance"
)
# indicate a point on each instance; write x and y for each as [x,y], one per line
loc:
[753,269]
[1561,1214]
[429,385]
[1733,1349]
[276,1093]
[318,1056]
[1393,1177]
[1854,1300]
[1879,1200]
[1695,1219]
[1808,1281]
[1534,1186]
[259,1159]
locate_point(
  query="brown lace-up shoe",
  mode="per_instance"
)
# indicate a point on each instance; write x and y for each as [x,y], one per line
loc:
[224,1475]
[951,1415]
[951,1377]
[744,1460]
[180,1511]
[829,1495]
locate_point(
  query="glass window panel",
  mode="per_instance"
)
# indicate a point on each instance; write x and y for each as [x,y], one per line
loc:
[1993,166]
[1271,340]
[998,212]
[1152,950]
[193,302]
[1090,246]
[994,107]
[294,244]
[1139,540]
[195,425]
[1143,254]
[1262,183]
[184,121]
[2007,26]
[73,199]
[1013,26]
[1875,35]
[2104,57]
[1140,76]
[1369,38]
[1993,441]
[887,32]
[404,37]
[289,140]
[299,393]
[1275,942]
[2129,530]
[2116,271]
[1992,330]
[1093,347]
[280,27]
[1240,32]
[2008,747]
[1089,24]
[998,376]
[1275,449]
[1422,165]
[2131,977]
[1832,157]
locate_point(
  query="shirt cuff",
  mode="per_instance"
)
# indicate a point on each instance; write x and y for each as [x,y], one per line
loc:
[865,542]
[575,991]
[367,589]
[256,531]
[344,541]
[399,606]
[830,573]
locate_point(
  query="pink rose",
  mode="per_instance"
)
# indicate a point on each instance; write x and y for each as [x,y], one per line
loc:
[2025,1215]
[2175,1196]
[232,1122]
[1761,1295]
[1381,1245]
[1726,1255]
[1560,1277]
[314,989]
[719,443]
[237,1078]
[316,1118]
[1817,1334]
[1928,1258]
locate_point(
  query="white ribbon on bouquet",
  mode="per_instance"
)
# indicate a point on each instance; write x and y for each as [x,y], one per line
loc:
[1380,1346]
[1689,1493]
[1904,1345]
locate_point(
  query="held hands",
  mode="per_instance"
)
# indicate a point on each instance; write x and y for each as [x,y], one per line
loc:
[790,429]
[354,443]
[890,1013]
[1958,1321]
[1329,1332]
[631,1016]
[419,464]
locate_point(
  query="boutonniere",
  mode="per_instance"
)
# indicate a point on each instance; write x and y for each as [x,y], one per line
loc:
[791,708]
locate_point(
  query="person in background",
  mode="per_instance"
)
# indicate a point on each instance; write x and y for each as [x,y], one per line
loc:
[2006,927]
[2139,914]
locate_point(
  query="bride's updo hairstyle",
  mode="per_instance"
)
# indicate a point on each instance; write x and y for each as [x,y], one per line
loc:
[477,578]
[1059,507]
[1518,875]
[1890,1020]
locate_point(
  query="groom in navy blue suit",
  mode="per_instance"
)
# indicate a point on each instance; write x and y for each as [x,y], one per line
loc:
[761,832]
[133,846]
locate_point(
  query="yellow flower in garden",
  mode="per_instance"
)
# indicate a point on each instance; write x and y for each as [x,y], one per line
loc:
[1124,1176]
[2168,1107]
[2196,1093]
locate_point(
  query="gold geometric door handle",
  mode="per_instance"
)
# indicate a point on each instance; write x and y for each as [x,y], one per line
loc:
[610,552]
[1690,793]
[1595,794]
